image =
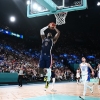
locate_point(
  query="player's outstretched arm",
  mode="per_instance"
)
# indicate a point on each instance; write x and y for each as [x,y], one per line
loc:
[57,35]
[91,68]
[42,34]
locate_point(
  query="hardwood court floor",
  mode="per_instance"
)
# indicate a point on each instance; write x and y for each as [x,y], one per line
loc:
[19,93]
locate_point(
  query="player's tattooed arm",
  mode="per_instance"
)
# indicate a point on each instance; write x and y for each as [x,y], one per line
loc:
[57,35]
[91,68]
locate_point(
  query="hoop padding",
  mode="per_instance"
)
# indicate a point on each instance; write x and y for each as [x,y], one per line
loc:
[60,18]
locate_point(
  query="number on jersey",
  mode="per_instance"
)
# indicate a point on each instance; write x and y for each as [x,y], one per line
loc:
[46,43]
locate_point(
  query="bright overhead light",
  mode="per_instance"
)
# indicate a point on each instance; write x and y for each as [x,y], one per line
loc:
[98,4]
[12,19]
[35,6]
[28,2]
[39,8]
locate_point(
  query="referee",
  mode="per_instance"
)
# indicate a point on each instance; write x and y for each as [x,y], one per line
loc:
[20,77]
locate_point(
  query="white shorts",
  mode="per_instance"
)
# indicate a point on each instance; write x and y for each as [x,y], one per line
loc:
[84,78]
[77,75]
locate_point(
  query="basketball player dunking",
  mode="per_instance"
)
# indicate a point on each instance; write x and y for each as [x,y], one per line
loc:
[84,74]
[46,56]
[98,69]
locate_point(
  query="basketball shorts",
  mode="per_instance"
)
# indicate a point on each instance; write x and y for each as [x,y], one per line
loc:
[53,75]
[45,61]
[77,75]
[84,78]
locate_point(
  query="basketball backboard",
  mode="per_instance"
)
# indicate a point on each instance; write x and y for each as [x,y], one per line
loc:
[46,7]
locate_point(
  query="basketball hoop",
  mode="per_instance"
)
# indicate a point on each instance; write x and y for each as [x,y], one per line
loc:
[60,18]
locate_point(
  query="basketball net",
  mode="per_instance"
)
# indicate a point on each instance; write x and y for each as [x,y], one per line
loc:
[60,18]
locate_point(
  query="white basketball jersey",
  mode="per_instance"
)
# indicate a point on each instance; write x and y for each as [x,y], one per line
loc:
[84,68]
[21,72]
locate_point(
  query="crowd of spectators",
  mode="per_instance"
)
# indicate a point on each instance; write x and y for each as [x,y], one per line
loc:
[75,45]
[15,54]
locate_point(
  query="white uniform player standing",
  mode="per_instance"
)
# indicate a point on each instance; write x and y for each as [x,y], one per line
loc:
[84,74]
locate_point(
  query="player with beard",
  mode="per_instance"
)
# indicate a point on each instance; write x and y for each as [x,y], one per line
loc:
[47,44]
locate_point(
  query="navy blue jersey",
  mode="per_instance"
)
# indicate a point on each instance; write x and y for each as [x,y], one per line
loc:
[47,46]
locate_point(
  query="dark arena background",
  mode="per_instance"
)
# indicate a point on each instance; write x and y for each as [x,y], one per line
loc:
[20,46]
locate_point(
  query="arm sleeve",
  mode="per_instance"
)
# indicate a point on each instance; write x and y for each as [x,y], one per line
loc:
[42,30]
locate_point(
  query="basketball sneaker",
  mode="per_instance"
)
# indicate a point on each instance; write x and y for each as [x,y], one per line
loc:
[91,89]
[45,78]
[82,97]
[53,90]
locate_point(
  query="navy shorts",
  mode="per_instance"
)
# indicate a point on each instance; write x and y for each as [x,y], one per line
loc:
[53,74]
[45,61]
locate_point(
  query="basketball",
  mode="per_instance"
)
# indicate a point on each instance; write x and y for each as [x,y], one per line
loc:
[52,25]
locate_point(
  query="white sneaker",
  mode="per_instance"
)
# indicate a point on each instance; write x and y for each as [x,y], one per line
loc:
[91,89]
[82,97]
[45,89]
[53,90]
